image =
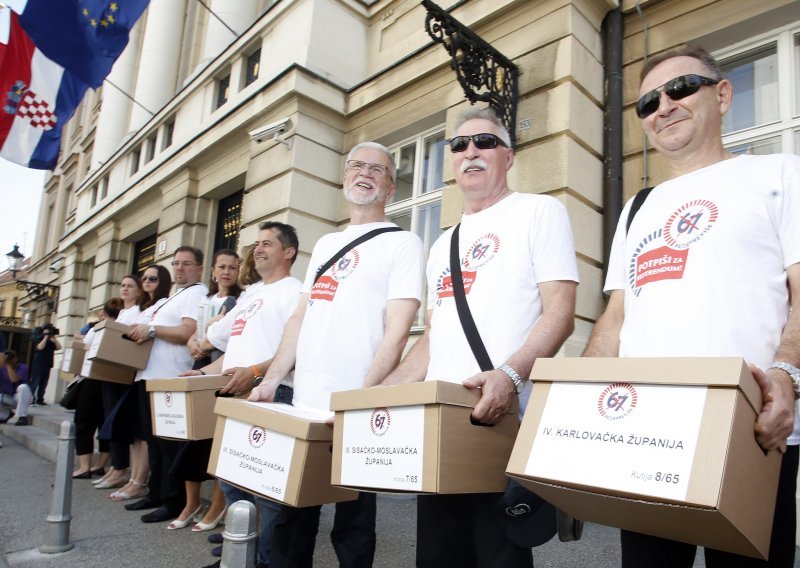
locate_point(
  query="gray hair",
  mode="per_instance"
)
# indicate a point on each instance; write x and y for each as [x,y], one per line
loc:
[476,113]
[379,148]
[687,50]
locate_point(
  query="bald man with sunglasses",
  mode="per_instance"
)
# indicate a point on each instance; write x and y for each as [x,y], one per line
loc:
[519,273]
[709,267]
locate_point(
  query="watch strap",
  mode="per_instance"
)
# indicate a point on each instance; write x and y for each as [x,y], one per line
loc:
[792,371]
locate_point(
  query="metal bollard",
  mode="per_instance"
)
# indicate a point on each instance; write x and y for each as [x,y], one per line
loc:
[59,517]
[239,536]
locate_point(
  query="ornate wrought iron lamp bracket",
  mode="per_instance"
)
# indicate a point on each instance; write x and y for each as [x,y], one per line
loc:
[46,293]
[485,74]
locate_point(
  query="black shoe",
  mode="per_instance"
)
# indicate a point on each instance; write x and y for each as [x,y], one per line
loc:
[142,504]
[99,472]
[41,403]
[84,475]
[215,538]
[159,515]
[216,551]
[215,565]
[21,421]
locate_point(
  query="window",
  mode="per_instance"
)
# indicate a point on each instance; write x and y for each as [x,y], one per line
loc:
[136,157]
[93,200]
[150,149]
[252,65]
[229,221]
[166,136]
[104,187]
[223,86]
[765,72]
[417,203]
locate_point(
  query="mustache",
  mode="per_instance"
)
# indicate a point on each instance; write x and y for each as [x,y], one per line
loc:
[477,162]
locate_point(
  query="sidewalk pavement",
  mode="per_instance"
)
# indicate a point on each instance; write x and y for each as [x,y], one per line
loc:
[105,534]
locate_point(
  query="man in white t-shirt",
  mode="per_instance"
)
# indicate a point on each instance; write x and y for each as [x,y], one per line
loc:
[519,273]
[251,331]
[348,332]
[173,323]
[709,267]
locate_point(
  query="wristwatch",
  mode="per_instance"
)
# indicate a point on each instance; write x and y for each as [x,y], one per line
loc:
[257,376]
[793,372]
[152,332]
[519,382]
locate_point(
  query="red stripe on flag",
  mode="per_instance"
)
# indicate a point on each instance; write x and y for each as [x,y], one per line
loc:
[15,74]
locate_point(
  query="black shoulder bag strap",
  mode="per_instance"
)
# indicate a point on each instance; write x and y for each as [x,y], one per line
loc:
[638,201]
[470,330]
[352,244]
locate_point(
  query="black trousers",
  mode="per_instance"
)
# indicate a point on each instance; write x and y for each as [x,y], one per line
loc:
[650,551]
[353,534]
[120,452]
[463,531]
[89,417]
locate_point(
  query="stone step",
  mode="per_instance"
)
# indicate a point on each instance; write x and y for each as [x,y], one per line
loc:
[51,419]
[39,441]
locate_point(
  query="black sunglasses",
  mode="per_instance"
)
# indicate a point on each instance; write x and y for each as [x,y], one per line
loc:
[676,89]
[150,278]
[483,141]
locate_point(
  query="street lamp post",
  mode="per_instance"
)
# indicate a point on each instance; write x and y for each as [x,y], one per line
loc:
[38,292]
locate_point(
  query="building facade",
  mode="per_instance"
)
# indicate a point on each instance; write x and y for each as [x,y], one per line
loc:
[176,165]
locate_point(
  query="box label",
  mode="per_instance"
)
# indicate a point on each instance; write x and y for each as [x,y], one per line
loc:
[95,347]
[255,458]
[383,447]
[635,438]
[169,411]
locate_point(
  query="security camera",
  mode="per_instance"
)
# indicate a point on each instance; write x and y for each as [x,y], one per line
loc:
[273,132]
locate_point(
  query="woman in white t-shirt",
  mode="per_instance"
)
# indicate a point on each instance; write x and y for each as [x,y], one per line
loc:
[131,421]
[130,290]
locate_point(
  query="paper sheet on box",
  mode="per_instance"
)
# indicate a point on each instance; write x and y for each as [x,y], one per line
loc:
[383,448]
[169,411]
[255,458]
[635,438]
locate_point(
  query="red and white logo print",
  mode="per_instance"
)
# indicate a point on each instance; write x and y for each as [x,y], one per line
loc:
[689,223]
[256,436]
[379,421]
[617,401]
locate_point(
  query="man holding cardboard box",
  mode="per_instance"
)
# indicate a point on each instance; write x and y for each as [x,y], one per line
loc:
[709,267]
[361,292]
[172,325]
[515,262]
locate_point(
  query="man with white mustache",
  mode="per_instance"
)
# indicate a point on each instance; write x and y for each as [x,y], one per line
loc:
[348,332]
[519,272]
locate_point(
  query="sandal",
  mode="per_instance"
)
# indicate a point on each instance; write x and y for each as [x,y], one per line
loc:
[128,495]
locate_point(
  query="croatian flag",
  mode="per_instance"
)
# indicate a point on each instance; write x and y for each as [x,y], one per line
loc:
[50,54]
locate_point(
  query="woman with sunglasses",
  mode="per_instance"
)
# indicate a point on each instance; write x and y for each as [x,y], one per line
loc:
[132,420]
[130,290]
[191,463]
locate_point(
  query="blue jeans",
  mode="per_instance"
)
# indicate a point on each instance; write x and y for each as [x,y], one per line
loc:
[267,510]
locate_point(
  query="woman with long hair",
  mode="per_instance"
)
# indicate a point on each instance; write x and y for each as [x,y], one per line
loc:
[130,290]
[156,283]
[192,461]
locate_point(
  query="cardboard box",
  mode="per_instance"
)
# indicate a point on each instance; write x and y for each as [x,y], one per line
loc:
[658,446]
[102,371]
[276,451]
[112,345]
[418,438]
[183,407]
[72,359]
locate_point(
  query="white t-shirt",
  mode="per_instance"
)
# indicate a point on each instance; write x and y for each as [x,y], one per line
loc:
[168,359]
[252,331]
[128,315]
[344,320]
[704,264]
[505,251]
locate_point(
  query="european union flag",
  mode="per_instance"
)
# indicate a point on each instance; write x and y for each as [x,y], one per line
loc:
[83,36]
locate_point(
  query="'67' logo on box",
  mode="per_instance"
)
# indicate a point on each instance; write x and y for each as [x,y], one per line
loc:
[617,401]
[256,436]
[379,421]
